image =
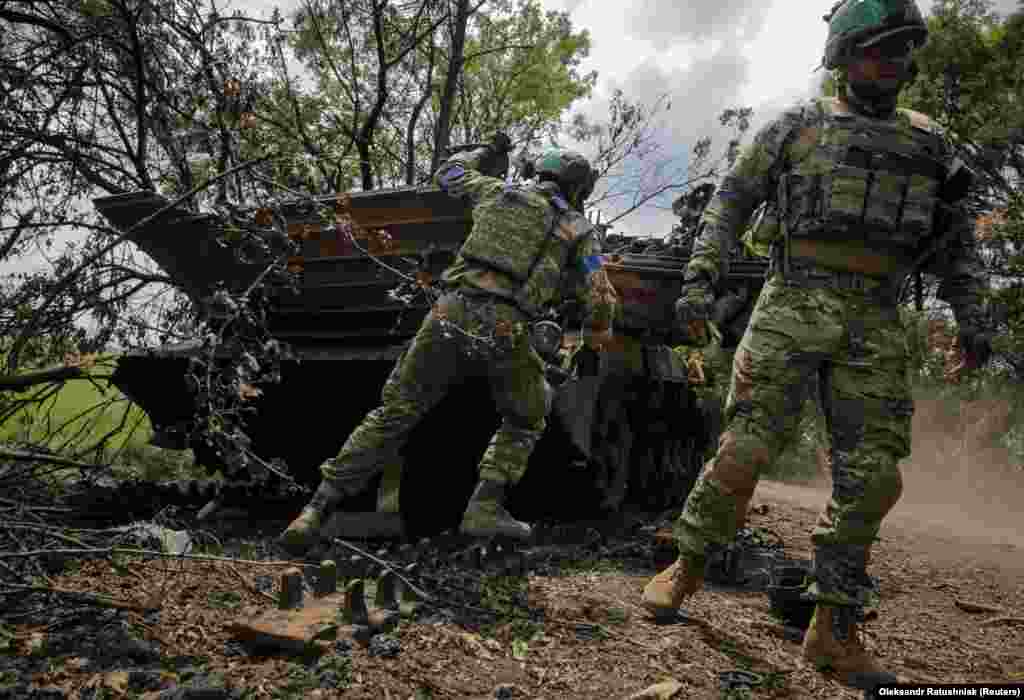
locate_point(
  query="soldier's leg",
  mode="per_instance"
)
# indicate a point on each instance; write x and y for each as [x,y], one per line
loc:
[791,331]
[868,412]
[523,398]
[419,380]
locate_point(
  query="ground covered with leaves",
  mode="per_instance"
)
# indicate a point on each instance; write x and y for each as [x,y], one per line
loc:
[133,624]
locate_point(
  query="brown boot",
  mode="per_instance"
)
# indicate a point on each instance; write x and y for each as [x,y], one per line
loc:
[305,529]
[666,592]
[835,643]
[486,516]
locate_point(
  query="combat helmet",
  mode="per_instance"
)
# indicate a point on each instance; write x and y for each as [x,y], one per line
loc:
[854,24]
[570,169]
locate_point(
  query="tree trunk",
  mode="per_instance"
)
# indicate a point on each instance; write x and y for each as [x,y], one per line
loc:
[444,116]
[414,118]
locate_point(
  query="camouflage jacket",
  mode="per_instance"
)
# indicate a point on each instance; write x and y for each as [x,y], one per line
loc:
[511,225]
[801,134]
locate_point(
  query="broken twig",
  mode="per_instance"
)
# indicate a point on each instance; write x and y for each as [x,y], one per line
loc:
[91,598]
[968,606]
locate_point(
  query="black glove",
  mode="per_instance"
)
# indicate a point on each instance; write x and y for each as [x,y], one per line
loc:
[976,347]
[525,166]
[501,143]
[496,163]
[728,307]
[694,308]
[696,300]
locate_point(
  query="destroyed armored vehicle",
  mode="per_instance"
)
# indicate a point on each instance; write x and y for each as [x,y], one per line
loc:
[629,430]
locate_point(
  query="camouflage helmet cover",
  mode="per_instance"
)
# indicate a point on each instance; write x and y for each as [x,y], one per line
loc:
[861,23]
[569,169]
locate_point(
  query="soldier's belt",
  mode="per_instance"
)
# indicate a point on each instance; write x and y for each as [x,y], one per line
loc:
[471,293]
[807,273]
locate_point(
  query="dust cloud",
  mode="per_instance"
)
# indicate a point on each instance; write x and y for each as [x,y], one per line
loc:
[962,495]
[958,478]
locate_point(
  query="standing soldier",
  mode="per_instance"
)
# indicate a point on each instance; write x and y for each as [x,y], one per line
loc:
[859,183]
[529,248]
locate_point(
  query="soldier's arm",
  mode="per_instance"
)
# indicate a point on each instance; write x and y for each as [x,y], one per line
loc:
[963,280]
[752,180]
[589,286]
[460,176]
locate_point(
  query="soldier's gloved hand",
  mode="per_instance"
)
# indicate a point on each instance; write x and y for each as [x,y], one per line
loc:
[976,347]
[694,308]
[501,143]
[525,166]
[496,162]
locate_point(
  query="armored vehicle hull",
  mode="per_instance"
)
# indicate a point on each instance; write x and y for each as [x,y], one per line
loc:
[632,432]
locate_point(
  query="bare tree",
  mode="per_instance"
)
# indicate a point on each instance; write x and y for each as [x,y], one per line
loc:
[630,154]
[107,98]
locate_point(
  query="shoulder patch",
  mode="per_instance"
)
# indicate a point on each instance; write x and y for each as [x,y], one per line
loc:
[449,174]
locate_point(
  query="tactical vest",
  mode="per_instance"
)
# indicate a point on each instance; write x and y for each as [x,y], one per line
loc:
[514,233]
[866,180]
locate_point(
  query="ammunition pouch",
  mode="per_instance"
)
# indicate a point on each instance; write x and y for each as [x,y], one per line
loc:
[805,273]
[874,204]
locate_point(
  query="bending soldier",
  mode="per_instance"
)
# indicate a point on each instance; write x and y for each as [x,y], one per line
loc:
[529,247]
[859,183]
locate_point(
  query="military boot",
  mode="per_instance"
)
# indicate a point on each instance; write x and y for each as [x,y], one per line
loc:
[666,592]
[486,516]
[305,529]
[833,641]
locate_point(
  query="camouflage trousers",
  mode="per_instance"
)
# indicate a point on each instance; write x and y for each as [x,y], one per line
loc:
[856,344]
[461,337]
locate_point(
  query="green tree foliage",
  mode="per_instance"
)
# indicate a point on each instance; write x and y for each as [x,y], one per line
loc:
[392,83]
[521,69]
[971,82]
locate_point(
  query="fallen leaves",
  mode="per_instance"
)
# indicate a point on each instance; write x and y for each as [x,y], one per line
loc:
[264,217]
[424,279]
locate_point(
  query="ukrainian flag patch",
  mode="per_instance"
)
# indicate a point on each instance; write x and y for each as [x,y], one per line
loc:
[593,263]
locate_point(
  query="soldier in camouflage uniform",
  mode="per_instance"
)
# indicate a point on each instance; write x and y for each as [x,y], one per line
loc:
[529,249]
[857,181]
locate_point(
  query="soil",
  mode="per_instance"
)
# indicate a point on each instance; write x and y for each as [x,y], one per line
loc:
[580,632]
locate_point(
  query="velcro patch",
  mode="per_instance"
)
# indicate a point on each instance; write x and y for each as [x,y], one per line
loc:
[453,173]
[592,263]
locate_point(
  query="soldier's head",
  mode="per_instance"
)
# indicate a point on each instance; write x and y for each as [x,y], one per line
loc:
[871,43]
[571,171]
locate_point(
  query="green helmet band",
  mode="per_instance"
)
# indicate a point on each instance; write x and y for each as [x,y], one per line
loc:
[569,169]
[855,24]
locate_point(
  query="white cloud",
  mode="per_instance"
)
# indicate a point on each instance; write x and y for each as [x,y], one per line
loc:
[708,54]
[668,22]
